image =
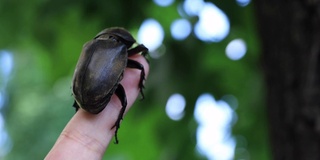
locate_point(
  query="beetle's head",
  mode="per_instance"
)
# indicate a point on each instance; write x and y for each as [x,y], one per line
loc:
[119,33]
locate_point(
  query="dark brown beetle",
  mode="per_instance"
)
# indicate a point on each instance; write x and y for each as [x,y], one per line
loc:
[100,69]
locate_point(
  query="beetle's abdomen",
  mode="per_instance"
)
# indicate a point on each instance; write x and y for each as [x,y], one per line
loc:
[98,72]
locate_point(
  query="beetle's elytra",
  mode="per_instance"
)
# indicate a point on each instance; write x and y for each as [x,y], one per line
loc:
[100,69]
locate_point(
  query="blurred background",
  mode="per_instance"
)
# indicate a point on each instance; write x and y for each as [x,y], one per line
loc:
[203,97]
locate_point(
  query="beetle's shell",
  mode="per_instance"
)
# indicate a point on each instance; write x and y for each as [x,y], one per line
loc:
[123,35]
[98,72]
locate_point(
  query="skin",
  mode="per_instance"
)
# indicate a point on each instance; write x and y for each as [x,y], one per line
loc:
[87,136]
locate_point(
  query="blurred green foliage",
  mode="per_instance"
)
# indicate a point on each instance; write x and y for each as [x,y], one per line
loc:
[46,38]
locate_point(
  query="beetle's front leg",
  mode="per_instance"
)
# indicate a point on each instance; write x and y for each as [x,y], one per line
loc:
[134,64]
[76,106]
[138,49]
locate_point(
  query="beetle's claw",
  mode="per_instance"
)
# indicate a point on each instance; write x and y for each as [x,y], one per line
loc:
[145,53]
[76,106]
[117,125]
[142,95]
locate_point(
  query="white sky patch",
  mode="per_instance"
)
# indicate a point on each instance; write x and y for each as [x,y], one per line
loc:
[180,29]
[6,63]
[236,49]
[175,107]
[214,138]
[151,34]
[193,7]
[6,66]
[163,3]
[1,99]
[213,24]
[243,3]
[5,142]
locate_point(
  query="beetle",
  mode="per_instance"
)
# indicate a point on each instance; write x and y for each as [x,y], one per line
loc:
[100,69]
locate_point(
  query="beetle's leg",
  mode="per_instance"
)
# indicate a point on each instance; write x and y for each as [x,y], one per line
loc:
[138,49]
[76,106]
[134,64]
[120,92]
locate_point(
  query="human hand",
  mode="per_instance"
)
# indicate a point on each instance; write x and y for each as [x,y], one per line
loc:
[87,135]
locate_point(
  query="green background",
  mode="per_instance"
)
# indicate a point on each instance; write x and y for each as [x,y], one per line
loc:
[46,38]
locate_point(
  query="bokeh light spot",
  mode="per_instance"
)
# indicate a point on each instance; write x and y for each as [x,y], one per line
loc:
[175,106]
[213,24]
[243,3]
[6,63]
[193,7]
[151,34]
[180,29]
[236,49]
[5,141]
[214,138]
[6,66]
[1,100]
[163,3]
